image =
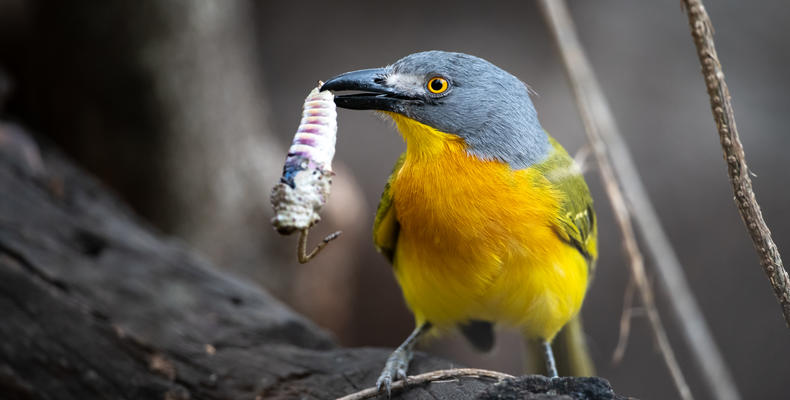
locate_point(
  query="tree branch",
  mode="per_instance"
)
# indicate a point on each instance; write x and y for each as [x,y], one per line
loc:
[433,376]
[605,137]
[670,274]
[737,169]
[625,322]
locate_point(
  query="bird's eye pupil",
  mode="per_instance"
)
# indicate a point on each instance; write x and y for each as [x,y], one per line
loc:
[437,85]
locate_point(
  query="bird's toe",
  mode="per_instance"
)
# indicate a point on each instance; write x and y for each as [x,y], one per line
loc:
[395,369]
[384,383]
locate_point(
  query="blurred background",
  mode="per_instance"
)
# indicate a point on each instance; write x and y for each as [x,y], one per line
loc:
[186,108]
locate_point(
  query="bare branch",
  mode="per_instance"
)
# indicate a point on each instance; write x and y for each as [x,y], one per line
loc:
[591,104]
[738,170]
[680,297]
[433,376]
[625,322]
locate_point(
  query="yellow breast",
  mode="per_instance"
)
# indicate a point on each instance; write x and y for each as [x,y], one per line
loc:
[477,239]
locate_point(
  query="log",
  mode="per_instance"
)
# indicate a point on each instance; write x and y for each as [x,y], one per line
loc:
[96,304]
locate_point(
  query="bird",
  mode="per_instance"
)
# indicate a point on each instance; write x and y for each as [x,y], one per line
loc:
[486,219]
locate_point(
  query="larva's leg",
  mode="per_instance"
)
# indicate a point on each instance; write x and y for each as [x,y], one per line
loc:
[551,365]
[398,362]
[302,253]
[307,174]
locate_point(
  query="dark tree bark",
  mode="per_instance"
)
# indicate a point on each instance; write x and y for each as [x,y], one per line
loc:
[95,304]
[164,102]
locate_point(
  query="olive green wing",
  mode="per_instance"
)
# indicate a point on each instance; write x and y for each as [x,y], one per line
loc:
[576,223]
[386,226]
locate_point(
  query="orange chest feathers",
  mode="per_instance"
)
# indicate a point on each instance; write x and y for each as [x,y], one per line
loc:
[454,200]
[478,239]
[458,198]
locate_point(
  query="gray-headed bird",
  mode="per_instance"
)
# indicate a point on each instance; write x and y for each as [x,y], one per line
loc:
[485,218]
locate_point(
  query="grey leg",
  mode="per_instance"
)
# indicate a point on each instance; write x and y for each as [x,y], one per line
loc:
[551,366]
[398,362]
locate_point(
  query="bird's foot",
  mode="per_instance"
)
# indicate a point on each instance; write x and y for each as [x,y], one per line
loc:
[396,367]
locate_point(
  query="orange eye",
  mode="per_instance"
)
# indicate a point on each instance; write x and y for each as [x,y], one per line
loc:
[437,85]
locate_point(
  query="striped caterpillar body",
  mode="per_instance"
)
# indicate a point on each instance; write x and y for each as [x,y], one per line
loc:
[307,174]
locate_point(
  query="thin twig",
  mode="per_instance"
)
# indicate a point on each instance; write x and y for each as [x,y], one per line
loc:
[625,322]
[738,170]
[589,100]
[434,376]
[671,277]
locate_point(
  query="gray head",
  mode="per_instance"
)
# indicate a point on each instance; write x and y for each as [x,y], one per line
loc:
[455,93]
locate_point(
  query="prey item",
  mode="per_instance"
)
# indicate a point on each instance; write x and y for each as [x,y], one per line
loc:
[307,174]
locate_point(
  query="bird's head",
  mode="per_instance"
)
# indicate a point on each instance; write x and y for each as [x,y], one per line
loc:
[453,93]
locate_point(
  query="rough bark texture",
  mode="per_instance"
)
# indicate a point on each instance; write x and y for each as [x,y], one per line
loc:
[95,304]
[737,169]
[164,102]
[536,387]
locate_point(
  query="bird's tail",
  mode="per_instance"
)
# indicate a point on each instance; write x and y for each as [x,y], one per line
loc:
[570,349]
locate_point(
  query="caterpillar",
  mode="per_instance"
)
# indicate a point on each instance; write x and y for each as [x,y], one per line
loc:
[307,175]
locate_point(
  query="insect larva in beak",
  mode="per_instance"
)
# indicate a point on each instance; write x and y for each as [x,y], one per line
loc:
[307,174]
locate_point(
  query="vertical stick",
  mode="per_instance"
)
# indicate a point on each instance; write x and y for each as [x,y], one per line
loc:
[738,170]
[605,136]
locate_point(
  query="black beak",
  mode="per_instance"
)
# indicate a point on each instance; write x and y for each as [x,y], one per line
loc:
[376,94]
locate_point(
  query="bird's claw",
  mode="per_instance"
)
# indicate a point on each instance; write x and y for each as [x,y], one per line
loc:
[384,384]
[395,369]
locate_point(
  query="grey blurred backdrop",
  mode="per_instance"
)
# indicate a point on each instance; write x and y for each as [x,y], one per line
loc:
[186,109]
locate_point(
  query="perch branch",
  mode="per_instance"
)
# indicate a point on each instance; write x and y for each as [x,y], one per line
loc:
[433,376]
[738,170]
[680,298]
